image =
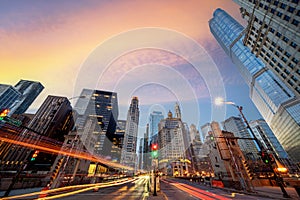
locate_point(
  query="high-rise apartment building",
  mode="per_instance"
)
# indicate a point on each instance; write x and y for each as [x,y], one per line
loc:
[29,91]
[268,63]
[154,120]
[100,107]
[129,148]
[236,126]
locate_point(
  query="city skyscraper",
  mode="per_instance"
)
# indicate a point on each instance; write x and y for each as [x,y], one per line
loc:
[171,144]
[129,154]
[204,131]
[53,120]
[154,120]
[101,107]
[8,96]
[269,63]
[236,126]
[117,141]
[29,91]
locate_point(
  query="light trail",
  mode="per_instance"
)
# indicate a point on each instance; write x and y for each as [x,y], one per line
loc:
[97,186]
[197,192]
[52,148]
[85,187]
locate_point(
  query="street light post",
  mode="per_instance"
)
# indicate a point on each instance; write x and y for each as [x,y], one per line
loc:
[278,180]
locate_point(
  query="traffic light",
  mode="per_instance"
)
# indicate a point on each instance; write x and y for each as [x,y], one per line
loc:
[154,150]
[265,157]
[4,113]
[34,155]
[56,169]
[248,170]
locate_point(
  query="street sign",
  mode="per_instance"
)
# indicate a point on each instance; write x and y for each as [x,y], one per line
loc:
[12,121]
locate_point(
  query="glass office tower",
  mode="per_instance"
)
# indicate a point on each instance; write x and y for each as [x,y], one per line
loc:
[97,117]
[29,91]
[278,103]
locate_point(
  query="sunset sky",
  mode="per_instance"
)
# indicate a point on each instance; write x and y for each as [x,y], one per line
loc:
[61,43]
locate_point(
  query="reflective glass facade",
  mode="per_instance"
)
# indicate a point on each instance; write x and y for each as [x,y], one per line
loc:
[8,96]
[277,102]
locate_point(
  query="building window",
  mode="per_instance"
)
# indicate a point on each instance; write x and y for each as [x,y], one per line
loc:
[293,44]
[284,59]
[286,18]
[283,6]
[279,14]
[276,3]
[271,30]
[287,71]
[278,34]
[266,7]
[291,65]
[291,9]
[272,10]
[287,54]
[295,22]
[295,60]
[290,82]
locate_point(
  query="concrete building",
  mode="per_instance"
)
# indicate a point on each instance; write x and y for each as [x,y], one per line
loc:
[227,159]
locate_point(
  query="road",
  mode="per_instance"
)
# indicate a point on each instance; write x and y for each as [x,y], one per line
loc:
[173,189]
[135,190]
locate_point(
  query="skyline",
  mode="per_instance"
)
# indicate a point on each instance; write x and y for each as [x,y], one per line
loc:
[43,42]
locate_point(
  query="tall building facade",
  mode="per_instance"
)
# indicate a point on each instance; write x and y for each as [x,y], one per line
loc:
[268,63]
[171,146]
[154,120]
[29,91]
[267,138]
[236,126]
[53,119]
[129,154]
[227,159]
[117,141]
[100,107]
[8,96]
[204,131]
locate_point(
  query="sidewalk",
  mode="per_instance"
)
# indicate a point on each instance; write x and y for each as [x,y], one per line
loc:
[275,192]
[160,196]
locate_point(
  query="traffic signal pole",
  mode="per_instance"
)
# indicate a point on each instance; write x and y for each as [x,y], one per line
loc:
[277,178]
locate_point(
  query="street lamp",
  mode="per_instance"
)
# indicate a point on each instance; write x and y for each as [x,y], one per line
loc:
[220,101]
